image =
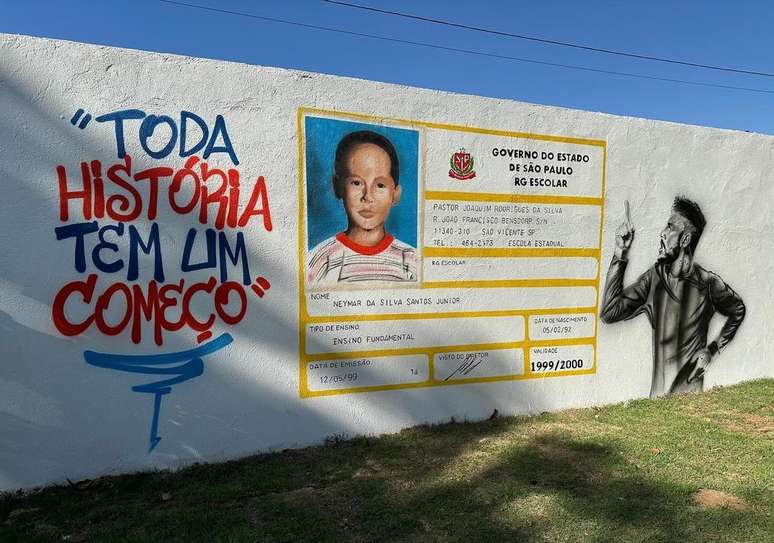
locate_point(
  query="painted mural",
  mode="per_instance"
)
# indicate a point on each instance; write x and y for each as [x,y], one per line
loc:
[508,238]
[679,298]
[204,260]
[156,291]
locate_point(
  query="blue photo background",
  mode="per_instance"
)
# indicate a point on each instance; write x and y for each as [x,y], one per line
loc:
[325,213]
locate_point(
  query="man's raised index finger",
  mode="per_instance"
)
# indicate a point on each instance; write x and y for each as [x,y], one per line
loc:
[628,217]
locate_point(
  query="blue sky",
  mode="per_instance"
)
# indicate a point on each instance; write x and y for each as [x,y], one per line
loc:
[735,34]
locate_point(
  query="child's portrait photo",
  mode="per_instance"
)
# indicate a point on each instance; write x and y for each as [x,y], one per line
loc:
[361,202]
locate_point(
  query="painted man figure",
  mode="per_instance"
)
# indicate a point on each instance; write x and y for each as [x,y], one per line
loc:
[678,296]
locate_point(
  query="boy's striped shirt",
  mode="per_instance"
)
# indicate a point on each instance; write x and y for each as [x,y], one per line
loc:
[339,259]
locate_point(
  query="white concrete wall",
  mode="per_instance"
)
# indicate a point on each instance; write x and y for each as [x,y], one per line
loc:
[62,417]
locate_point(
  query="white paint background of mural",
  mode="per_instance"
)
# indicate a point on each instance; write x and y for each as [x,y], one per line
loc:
[60,417]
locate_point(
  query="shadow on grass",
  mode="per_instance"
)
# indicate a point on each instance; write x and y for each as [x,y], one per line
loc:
[550,487]
[496,481]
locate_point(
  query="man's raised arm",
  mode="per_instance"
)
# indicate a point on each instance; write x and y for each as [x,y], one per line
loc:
[619,303]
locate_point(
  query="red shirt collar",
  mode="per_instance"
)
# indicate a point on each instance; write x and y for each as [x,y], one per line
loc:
[365,249]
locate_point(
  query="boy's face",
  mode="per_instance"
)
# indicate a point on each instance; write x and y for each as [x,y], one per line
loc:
[369,189]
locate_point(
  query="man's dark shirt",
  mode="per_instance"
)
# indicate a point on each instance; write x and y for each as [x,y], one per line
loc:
[679,311]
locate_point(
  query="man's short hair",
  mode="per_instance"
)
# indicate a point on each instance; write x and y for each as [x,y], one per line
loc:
[691,211]
[349,142]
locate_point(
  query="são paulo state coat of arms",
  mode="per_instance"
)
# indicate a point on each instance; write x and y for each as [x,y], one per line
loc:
[461,164]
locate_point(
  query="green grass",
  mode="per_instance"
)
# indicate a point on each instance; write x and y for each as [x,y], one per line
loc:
[625,473]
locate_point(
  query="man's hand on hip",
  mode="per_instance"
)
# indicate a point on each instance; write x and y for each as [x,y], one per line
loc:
[700,362]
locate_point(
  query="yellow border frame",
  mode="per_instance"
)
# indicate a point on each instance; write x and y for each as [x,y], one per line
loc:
[527,344]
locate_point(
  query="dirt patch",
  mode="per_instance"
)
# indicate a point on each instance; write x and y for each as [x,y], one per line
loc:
[750,424]
[712,499]
[759,424]
[743,423]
